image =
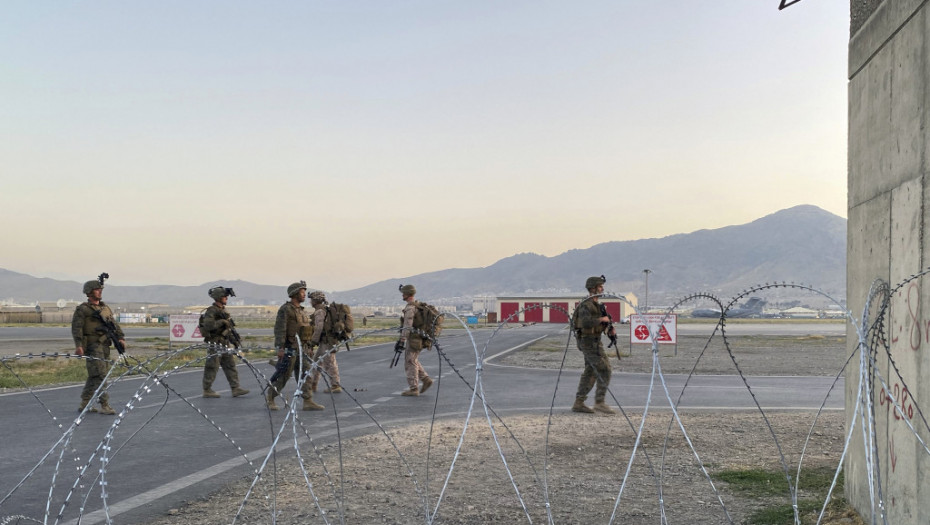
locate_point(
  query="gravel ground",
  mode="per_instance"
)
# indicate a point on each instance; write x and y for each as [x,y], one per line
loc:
[584,457]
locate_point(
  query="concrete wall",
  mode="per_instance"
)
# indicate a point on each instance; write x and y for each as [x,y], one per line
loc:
[889,75]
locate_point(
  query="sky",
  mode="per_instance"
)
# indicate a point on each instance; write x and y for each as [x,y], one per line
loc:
[181,142]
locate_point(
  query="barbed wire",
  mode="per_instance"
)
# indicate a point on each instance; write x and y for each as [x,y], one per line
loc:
[157,373]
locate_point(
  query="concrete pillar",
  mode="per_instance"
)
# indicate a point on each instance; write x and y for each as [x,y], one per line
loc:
[889,154]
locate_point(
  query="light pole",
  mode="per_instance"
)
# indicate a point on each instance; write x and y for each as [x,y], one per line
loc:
[646,272]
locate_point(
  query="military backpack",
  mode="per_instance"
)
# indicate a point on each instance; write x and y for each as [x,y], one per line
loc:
[338,322]
[428,320]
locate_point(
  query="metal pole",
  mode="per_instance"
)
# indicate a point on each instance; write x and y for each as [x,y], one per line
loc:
[647,271]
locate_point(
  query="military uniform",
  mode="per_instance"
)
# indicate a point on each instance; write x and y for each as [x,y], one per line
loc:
[217,324]
[588,330]
[414,344]
[324,356]
[596,364]
[88,333]
[292,321]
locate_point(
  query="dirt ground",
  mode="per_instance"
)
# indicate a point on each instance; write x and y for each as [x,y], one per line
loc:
[580,458]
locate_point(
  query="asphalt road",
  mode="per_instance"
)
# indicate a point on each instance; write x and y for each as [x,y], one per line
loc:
[164,452]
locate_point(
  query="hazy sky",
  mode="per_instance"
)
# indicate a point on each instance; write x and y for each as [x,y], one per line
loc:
[348,142]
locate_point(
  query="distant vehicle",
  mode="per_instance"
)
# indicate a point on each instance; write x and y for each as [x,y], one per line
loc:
[751,308]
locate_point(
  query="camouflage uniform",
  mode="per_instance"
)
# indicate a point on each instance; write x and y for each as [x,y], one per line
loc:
[88,333]
[325,356]
[291,322]
[415,371]
[216,326]
[596,364]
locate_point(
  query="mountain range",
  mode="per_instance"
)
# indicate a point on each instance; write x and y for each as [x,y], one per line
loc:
[800,244]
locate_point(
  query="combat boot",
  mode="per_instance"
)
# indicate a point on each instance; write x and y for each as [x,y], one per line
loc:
[579,406]
[84,405]
[309,404]
[427,382]
[208,392]
[270,400]
[106,409]
[236,391]
[412,391]
[600,406]
[335,389]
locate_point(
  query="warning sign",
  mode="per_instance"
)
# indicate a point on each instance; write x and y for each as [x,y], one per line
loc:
[663,328]
[183,328]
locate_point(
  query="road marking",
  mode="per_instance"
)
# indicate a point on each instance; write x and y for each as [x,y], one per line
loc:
[521,345]
[383,399]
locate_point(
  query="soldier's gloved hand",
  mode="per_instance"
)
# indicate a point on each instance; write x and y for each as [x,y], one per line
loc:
[399,346]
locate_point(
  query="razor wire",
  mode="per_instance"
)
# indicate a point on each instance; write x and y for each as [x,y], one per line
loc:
[872,344]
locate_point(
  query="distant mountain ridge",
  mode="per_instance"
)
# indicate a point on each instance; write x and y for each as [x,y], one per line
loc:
[800,244]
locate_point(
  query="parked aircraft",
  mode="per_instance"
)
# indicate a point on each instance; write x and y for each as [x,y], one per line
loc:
[751,308]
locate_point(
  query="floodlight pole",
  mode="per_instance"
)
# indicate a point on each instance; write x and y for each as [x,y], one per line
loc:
[646,272]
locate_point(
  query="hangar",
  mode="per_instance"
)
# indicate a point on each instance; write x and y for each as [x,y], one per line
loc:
[520,309]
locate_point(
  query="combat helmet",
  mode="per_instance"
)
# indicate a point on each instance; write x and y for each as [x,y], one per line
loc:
[296,287]
[97,284]
[594,282]
[218,292]
[317,297]
[407,289]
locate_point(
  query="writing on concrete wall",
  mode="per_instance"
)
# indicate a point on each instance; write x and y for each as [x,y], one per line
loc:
[908,304]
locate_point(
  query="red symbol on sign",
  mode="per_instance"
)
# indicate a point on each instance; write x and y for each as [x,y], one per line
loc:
[641,332]
[197,333]
[178,330]
[663,334]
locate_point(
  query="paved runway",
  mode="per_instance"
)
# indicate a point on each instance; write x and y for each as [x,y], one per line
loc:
[164,451]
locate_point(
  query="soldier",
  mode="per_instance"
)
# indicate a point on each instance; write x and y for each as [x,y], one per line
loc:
[91,340]
[217,326]
[412,342]
[292,322]
[589,324]
[325,356]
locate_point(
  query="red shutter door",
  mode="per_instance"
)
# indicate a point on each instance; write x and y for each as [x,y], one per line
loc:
[533,316]
[556,316]
[614,310]
[508,309]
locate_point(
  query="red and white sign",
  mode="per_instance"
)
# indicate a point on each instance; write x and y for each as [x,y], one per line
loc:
[663,328]
[183,328]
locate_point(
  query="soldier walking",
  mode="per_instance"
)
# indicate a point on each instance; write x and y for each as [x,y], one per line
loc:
[217,328]
[324,341]
[589,324]
[412,342]
[91,341]
[292,322]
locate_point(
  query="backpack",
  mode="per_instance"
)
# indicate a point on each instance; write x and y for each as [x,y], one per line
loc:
[428,320]
[338,322]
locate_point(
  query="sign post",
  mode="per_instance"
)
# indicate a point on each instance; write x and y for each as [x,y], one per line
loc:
[663,328]
[183,328]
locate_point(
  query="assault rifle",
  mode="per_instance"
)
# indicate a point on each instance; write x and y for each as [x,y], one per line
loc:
[232,335]
[108,327]
[281,367]
[398,350]
[611,332]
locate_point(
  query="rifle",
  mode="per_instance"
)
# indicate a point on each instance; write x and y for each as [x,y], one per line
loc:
[610,325]
[398,350]
[232,335]
[281,367]
[109,327]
